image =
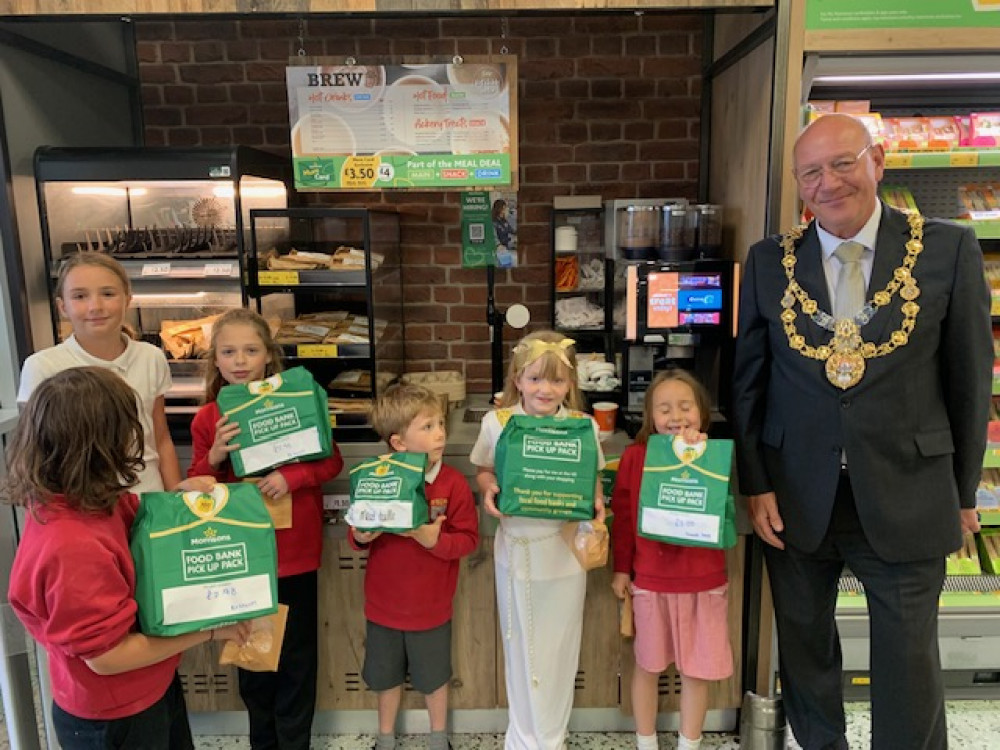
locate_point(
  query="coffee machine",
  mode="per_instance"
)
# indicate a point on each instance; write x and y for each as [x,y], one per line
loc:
[679,314]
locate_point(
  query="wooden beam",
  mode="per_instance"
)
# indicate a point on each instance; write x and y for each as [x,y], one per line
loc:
[402,7]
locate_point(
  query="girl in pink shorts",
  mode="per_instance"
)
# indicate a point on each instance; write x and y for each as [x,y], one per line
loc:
[679,593]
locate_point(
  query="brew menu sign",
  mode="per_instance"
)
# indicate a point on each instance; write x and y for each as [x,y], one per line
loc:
[413,125]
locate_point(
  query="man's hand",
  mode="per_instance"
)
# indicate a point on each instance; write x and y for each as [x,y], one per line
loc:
[766,519]
[970,520]
[427,535]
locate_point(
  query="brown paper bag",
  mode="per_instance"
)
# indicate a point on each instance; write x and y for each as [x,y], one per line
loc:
[589,542]
[626,625]
[262,651]
[279,508]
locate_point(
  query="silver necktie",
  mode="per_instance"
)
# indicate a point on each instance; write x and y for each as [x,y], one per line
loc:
[849,296]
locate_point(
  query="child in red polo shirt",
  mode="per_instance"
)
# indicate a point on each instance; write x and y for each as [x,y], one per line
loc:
[411,577]
[76,451]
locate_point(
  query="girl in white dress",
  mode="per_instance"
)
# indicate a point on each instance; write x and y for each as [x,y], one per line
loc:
[540,584]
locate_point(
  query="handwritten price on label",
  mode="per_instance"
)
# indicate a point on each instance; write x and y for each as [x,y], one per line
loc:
[359,171]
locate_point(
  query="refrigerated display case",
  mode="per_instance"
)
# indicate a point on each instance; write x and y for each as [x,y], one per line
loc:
[329,281]
[177,220]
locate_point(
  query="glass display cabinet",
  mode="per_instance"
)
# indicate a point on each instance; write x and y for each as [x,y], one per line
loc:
[176,219]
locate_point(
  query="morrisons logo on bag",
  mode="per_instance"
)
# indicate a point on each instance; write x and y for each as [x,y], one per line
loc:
[552,449]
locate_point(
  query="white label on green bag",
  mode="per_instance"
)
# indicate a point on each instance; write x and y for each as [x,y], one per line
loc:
[216,600]
[693,527]
[368,515]
[287,448]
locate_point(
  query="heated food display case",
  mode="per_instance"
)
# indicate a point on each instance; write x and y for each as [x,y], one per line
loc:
[177,220]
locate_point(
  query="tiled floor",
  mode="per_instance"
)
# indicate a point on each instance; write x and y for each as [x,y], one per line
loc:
[972,725]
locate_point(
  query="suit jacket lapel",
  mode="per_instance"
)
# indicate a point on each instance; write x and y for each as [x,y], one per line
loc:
[811,277]
[890,249]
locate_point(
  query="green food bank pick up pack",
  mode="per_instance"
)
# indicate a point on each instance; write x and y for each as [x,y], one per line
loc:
[685,497]
[547,467]
[283,418]
[388,494]
[203,560]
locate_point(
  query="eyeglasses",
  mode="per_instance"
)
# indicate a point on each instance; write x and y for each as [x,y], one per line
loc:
[811,176]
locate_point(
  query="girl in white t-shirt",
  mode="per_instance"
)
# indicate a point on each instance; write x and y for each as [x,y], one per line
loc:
[93,293]
[540,584]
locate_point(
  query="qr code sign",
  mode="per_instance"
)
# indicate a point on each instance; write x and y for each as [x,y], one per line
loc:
[477,232]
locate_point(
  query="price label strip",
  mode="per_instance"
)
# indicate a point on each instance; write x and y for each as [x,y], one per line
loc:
[218,269]
[359,171]
[964,159]
[317,351]
[898,161]
[278,278]
[155,269]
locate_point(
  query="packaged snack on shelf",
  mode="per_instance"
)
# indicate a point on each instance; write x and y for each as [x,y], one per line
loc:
[964,561]
[964,134]
[816,109]
[905,133]
[979,202]
[873,121]
[984,129]
[853,106]
[992,270]
[898,196]
[989,551]
[943,133]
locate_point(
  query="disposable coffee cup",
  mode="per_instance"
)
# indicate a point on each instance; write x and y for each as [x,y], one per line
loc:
[606,412]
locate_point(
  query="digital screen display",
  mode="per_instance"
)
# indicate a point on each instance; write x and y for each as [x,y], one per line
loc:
[676,298]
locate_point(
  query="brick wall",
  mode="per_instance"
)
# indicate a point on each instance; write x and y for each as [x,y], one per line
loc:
[608,105]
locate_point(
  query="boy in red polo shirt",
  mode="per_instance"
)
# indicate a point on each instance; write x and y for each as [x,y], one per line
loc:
[411,577]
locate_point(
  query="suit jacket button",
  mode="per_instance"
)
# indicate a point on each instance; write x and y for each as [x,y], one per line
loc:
[844,403]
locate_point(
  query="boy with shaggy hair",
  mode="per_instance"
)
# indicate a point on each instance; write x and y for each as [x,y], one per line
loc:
[411,577]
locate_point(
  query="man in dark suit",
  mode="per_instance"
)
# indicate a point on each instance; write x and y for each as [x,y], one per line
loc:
[861,394]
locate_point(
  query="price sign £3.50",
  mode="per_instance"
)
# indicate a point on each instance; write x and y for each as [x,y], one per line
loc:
[359,171]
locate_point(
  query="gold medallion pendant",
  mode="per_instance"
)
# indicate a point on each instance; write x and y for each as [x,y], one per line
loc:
[845,354]
[845,369]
